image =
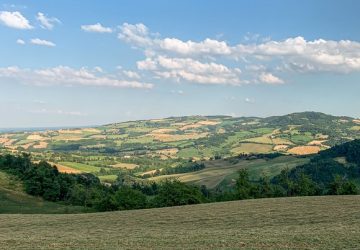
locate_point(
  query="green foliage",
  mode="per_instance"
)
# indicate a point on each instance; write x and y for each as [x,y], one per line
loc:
[176,193]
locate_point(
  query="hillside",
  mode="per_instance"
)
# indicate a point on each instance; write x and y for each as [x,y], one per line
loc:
[15,201]
[331,167]
[142,147]
[330,222]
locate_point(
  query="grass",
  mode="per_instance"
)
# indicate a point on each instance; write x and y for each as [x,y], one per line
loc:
[15,201]
[221,171]
[108,178]
[331,222]
[82,167]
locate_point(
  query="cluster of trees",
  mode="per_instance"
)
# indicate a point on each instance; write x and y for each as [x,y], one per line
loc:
[45,181]
[323,175]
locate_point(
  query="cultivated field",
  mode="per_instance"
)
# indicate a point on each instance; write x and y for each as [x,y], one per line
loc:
[224,171]
[331,222]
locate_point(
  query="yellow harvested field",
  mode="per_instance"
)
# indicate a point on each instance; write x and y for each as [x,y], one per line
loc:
[321,137]
[281,141]
[36,137]
[150,172]
[9,143]
[102,137]
[70,131]
[281,147]
[191,126]
[125,165]
[221,131]
[68,137]
[163,131]
[355,128]
[262,139]
[209,122]
[357,121]
[246,148]
[304,150]
[316,143]
[41,145]
[65,169]
[4,140]
[169,137]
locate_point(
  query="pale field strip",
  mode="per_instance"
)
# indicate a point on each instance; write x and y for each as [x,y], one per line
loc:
[129,166]
[304,150]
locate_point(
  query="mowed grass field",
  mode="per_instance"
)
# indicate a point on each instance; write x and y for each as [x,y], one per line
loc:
[219,170]
[330,222]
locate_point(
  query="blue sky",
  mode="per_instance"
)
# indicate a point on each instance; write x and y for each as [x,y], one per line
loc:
[73,63]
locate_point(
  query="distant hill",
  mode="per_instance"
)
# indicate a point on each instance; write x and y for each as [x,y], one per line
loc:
[143,147]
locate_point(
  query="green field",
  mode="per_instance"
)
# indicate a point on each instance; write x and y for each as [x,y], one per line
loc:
[82,167]
[223,171]
[331,222]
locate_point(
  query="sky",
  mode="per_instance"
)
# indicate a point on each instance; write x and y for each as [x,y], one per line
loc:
[80,63]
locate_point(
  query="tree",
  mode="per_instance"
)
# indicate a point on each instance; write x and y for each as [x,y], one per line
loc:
[127,198]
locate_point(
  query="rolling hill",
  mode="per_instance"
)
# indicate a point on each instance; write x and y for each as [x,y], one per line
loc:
[330,222]
[14,200]
[142,148]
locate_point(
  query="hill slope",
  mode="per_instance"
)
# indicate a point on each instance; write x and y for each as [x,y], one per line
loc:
[15,201]
[330,222]
[142,146]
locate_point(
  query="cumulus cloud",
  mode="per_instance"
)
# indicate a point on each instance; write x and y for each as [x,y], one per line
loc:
[131,74]
[96,28]
[37,41]
[270,78]
[47,22]
[135,34]
[63,75]
[260,59]
[20,41]
[191,70]
[14,20]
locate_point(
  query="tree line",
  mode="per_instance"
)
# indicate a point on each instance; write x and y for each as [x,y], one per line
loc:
[323,175]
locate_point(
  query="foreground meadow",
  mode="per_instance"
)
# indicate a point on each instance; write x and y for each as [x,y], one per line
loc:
[331,222]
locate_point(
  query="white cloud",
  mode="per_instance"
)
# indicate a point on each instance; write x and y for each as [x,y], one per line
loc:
[63,75]
[270,78]
[57,112]
[249,100]
[14,20]
[265,56]
[20,41]
[191,70]
[131,74]
[41,42]
[208,47]
[97,28]
[135,34]
[47,22]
